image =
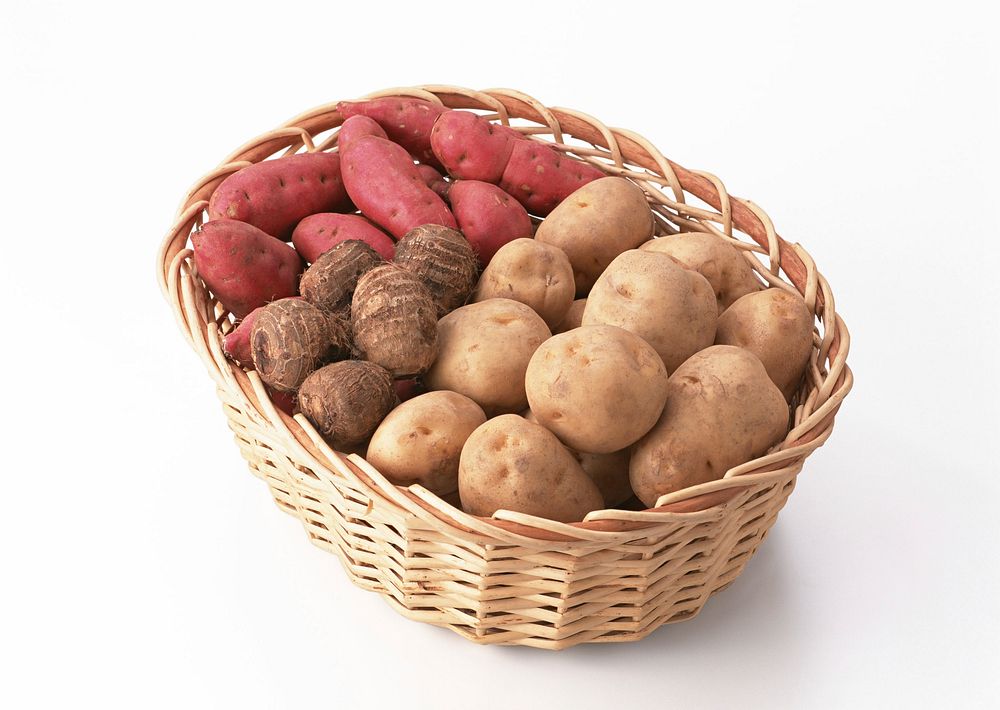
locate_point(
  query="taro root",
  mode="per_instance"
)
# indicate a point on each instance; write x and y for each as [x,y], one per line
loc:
[330,282]
[347,400]
[394,321]
[443,260]
[291,338]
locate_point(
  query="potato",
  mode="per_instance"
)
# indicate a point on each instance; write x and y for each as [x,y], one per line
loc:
[421,440]
[483,352]
[608,471]
[776,326]
[536,274]
[722,410]
[597,223]
[722,264]
[574,316]
[511,464]
[598,388]
[651,295]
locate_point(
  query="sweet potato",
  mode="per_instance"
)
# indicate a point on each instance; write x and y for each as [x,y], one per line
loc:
[470,147]
[355,127]
[385,184]
[539,177]
[536,175]
[236,344]
[319,233]
[487,216]
[244,267]
[275,194]
[434,180]
[406,121]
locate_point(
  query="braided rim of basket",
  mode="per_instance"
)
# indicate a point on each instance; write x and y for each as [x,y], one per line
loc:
[616,151]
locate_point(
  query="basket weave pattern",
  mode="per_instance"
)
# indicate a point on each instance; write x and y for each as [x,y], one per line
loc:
[515,578]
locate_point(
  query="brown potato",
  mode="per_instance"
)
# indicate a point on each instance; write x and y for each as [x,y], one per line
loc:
[722,410]
[608,471]
[420,441]
[776,326]
[483,352]
[720,263]
[597,223]
[573,317]
[536,274]
[651,295]
[598,388]
[511,464]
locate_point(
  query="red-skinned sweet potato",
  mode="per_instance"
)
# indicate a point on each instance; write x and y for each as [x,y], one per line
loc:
[407,122]
[434,180]
[319,233]
[539,177]
[470,147]
[383,182]
[275,194]
[536,175]
[487,216]
[285,401]
[355,127]
[244,267]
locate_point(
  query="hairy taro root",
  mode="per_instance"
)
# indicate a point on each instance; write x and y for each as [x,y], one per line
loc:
[443,260]
[330,282]
[394,320]
[291,338]
[347,400]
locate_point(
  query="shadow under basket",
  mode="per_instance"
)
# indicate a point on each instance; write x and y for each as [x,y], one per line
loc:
[513,578]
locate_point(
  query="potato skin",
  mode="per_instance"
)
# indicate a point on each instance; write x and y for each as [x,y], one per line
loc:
[722,264]
[722,410]
[574,316]
[509,463]
[244,267]
[356,127]
[776,326]
[483,352]
[274,195]
[598,388]
[536,274]
[608,471]
[597,223]
[651,295]
[420,441]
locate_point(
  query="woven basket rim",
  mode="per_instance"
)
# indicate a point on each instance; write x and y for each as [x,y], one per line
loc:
[617,152]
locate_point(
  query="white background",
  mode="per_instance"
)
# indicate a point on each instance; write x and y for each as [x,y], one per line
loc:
[144,567]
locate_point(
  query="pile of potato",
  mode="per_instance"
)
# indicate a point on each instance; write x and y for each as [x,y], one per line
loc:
[483,315]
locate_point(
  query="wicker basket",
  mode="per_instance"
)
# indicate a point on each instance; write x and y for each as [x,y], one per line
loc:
[514,578]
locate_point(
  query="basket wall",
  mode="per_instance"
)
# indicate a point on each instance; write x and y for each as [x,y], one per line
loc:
[517,579]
